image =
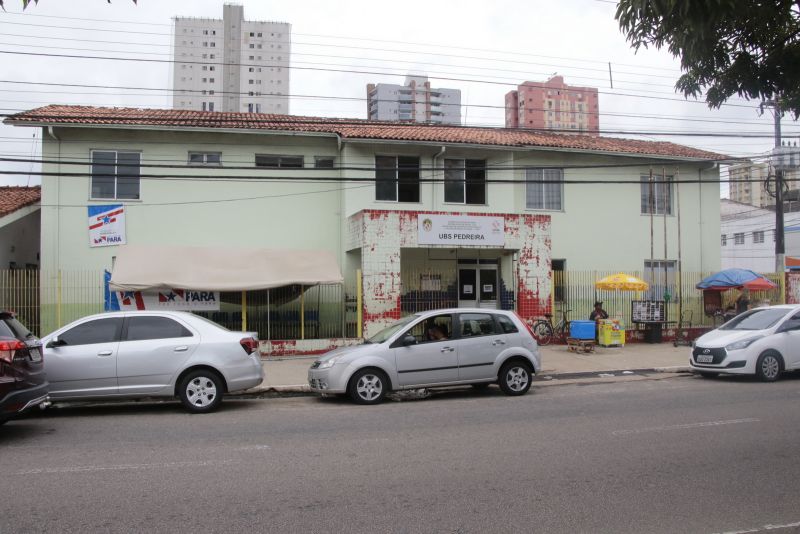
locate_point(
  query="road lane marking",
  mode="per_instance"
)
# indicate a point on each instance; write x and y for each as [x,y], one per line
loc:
[683,426]
[119,467]
[763,529]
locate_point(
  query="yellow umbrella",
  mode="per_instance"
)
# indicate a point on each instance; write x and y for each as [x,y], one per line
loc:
[622,281]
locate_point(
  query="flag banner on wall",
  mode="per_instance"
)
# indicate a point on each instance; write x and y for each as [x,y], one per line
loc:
[168,299]
[106,225]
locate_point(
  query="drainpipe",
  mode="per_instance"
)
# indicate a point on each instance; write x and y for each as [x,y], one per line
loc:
[53,135]
[433,184]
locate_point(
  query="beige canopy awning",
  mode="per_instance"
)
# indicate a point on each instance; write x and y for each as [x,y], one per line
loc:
[141,268]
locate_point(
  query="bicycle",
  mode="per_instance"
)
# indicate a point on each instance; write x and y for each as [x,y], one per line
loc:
[544,331]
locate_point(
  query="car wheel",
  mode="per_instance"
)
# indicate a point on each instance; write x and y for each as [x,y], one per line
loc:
[768,367]
[704,374]
[515,378]
[368,386]
[201,391]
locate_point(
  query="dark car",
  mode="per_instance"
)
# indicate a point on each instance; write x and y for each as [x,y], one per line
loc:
[22,379]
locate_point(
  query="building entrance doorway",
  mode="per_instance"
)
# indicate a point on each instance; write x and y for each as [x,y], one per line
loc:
[477,284]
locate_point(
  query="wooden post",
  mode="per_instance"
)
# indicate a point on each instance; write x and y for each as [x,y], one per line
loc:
[244,311]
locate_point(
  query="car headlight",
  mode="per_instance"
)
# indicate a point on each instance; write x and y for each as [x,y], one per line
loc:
[329,362]
[743,344]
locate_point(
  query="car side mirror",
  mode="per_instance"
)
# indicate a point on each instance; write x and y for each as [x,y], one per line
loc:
[409,340]
[55,342]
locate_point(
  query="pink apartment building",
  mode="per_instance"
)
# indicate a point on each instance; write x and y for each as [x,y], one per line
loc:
[553,105]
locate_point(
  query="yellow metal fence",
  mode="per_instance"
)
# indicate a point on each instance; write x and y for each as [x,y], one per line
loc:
[45,300]
[677,289]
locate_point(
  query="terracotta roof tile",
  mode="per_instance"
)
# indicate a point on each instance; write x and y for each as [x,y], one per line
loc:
[14,198]
[351,129]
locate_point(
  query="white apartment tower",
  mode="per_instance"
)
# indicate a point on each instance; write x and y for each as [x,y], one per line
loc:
[415,101]
[231,64]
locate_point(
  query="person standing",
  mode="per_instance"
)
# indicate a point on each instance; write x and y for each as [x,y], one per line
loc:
[743,302]
[598,312]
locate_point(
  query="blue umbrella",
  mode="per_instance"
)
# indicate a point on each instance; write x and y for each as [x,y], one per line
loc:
[733,278]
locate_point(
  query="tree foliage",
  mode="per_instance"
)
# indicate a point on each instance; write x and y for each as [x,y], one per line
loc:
[26,3]
[726,47]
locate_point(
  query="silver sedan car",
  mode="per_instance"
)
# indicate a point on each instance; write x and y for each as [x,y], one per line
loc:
[431,349]
[150,354]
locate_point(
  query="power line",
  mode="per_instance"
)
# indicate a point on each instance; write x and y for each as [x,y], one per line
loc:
[493,52]
[341,71]
[201,92]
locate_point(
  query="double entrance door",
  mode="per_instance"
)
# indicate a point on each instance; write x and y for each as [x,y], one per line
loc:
[477,285]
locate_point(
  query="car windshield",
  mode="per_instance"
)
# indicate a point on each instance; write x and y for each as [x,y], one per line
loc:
[758,319]
[391,330]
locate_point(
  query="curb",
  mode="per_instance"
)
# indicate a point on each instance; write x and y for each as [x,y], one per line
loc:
[302,390]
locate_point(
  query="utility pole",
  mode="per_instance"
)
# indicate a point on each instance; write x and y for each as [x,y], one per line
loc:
[780,250]
[780,261]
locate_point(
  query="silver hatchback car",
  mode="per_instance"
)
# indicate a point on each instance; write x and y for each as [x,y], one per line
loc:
[150,354]
[431,349]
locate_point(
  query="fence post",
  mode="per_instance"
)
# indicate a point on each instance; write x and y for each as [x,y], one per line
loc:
[244,311]
[58,301]
[302,313]
[359,304]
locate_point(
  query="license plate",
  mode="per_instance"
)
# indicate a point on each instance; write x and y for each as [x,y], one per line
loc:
[705,358]
[36,355]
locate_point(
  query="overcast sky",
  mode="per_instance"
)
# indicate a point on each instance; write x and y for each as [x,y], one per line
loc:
[458,44]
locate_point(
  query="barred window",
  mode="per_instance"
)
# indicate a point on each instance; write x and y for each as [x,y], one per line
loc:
[544,189]
[758,236]
[656,197]
[738,238]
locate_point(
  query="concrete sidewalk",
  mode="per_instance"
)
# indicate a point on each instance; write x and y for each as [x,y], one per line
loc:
[290,374]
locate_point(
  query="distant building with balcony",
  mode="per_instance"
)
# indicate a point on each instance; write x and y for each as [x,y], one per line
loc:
[553,105]
[415,101]
[231,64]
[751,183]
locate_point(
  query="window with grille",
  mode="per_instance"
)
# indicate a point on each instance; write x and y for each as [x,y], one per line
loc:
[544,189]
[758,236]
[738,238]
[656,196]
[724,240]
[212,159]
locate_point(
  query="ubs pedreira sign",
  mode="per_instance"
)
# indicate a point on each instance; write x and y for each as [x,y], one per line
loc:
[460,230]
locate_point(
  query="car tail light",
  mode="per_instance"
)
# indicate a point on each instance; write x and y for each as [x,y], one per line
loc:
[527,326]
[249,344]
[8,347]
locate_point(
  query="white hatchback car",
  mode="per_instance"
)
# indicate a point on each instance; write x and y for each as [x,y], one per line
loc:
[762,342]
[150,354]
[432,349]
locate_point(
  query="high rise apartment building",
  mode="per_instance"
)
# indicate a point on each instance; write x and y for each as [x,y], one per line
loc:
[553,105]
[748,184]
[415,101]
[231,64]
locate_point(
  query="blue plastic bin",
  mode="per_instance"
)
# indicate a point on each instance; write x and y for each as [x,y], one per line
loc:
[582,329]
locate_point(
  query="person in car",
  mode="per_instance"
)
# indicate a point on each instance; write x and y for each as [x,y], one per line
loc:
[436,333]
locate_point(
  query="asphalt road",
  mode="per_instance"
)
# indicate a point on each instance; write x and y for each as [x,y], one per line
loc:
[676,455]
